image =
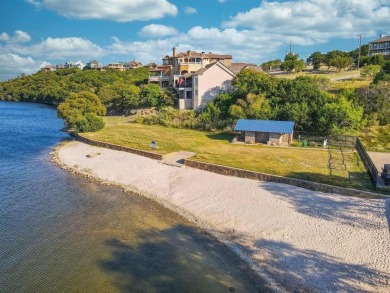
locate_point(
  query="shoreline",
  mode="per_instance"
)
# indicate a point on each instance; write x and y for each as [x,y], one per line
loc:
[260,222]
[256,271]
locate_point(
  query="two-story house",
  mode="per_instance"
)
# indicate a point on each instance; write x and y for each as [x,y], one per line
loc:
[186,73]
[380,46]
[198,88]
[197,77]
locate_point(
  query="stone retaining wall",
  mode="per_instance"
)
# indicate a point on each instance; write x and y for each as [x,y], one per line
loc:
[151,155]
[230,171]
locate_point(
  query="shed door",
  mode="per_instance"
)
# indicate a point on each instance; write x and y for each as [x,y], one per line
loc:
[262,137]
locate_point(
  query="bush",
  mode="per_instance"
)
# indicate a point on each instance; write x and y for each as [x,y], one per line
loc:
[89,123]
[75,108]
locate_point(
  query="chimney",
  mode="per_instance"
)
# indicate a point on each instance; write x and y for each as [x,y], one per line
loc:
[381,36]
[174,52]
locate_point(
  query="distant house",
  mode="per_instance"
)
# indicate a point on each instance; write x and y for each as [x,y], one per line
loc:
[151,65]
[49,67]
[94,65]
[116,66]
[132,65]
[265,131]
[72,64]
[380,46]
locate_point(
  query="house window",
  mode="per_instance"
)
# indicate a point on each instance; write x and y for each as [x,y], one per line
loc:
[195,94]
[195,81]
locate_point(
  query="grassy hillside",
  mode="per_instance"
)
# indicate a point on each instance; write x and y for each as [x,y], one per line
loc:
[338,80]
[376,138]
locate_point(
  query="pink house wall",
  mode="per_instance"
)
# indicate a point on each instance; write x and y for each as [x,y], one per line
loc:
[215,79]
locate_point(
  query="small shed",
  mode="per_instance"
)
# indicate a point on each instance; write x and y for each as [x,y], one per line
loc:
[265,131]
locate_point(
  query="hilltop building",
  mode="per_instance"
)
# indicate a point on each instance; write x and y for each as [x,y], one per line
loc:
[380,46]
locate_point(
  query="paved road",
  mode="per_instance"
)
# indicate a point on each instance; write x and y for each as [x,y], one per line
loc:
[379,159]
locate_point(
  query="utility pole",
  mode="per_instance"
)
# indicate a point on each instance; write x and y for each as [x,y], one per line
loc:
[360,46]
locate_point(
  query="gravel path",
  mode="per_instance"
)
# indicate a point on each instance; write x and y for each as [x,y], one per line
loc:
[299,239]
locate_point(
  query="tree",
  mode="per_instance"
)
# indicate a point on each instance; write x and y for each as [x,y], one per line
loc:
[253,107]
[168,97]
[341,116]
[150,95]
[332,55]
[375,101]
[292,63]
[340,62]
[271,65]
[370,70]
[317,58]
[127,97]
[253,81]
[386,67]
[89,123]
[78,105]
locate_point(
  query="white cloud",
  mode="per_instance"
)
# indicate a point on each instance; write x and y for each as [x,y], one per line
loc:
[115,10]
[190,10]
[12,65]
[4,37]
[242,45]
[18,37]
[221,1]
[16,58]
[157,30]
[62,48]
[315,21]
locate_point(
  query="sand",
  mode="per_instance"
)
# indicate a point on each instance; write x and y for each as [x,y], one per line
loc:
[297,239]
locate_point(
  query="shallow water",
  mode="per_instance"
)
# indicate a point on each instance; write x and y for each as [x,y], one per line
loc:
[62,233]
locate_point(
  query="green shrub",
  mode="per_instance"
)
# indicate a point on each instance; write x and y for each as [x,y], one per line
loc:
[89,123]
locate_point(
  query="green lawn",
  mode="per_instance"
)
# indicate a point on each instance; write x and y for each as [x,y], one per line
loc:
[301,163]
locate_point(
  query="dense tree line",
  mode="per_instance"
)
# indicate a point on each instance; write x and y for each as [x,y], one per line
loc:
[83,96]
[117,90]
[333,59]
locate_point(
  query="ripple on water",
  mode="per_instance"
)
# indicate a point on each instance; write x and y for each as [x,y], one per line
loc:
[62,233]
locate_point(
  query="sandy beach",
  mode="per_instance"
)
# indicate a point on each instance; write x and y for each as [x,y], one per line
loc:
[299,240]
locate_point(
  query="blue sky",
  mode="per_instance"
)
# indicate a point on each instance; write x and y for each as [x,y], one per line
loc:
[38,32]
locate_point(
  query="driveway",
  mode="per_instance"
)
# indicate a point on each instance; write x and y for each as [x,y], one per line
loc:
[379,159]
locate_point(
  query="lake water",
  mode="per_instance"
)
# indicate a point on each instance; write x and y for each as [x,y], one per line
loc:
[62,233]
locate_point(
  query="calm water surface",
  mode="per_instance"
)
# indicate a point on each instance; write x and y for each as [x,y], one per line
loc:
[62,233]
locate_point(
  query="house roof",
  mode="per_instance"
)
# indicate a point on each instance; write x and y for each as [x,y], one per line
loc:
[238,67]
[221,65]
[264,126]
[384,39]
[193,54]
